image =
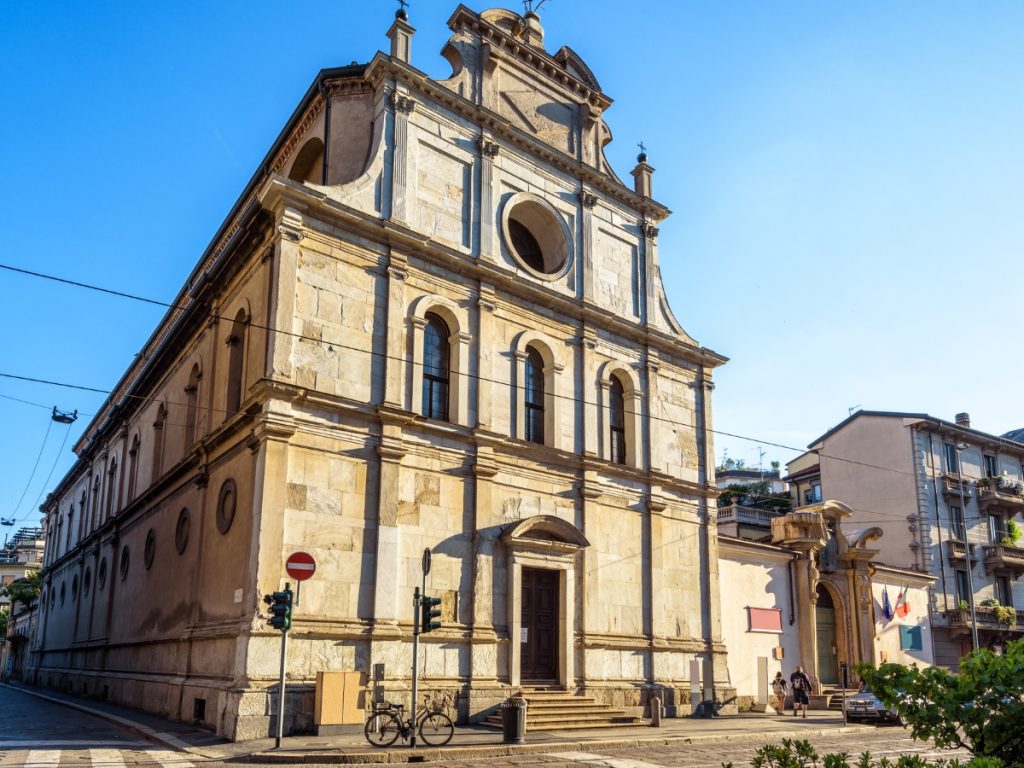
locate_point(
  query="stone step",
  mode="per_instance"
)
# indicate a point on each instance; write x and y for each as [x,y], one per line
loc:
[572,723]
[569,706]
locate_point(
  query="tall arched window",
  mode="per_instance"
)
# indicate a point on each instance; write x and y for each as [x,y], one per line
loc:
[534,396]
[133,467]
[158,442]
[617,421]
[96,486]
[436,368]
[191,407]
[236,360]
[111,488]
[71,519]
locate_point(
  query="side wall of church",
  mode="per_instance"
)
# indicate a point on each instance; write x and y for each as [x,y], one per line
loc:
[149,583]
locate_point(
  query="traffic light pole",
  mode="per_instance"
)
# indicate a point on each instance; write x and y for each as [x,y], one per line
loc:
[415,662]
[280,679]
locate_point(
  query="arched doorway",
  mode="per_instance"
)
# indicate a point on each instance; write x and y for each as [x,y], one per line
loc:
[825,631]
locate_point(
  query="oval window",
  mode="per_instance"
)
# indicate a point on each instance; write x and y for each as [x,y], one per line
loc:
[149,551]
[123,567]
[226,506]
[181,531]
[535,236]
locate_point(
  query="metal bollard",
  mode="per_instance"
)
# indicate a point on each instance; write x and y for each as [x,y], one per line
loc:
[656,711]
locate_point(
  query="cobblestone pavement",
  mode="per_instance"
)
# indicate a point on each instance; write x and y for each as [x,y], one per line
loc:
[885,742]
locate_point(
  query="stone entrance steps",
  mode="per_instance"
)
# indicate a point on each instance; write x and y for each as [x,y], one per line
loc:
[552,708]
[834,696]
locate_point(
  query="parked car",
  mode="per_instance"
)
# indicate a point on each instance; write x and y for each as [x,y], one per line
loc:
[865,706]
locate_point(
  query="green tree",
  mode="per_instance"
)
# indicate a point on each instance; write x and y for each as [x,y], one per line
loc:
[25,590]
[981,709]
[3,623]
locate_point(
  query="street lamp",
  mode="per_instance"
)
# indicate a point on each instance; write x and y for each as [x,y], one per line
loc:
[960,448]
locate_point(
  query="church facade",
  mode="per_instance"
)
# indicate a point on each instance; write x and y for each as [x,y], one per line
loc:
[434,319]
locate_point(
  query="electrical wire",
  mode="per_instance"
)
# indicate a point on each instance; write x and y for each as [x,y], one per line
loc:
[403,360]
[49,424]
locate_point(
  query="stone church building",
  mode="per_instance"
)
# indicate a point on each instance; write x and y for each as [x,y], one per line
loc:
[433,319]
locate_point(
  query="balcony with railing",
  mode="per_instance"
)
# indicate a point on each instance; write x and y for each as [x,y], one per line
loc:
[747,522]
[1004,559]
[1000,492]
[959,621]
[956,551]
[951,488]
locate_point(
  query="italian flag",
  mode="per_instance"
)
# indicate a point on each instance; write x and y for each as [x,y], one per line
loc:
[902,606]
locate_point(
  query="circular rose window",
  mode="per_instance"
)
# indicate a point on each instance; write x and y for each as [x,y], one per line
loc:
[535,235]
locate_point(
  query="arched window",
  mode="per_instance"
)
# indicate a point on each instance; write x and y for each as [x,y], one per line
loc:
[191,407]
[534,396]
[71,518]
[133,467]
[158,442]
[111,488]
[236,345]
[96,486]
[617,421]
[436,368]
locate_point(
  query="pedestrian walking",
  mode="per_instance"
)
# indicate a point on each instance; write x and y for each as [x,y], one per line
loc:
[779,689]
[801,685]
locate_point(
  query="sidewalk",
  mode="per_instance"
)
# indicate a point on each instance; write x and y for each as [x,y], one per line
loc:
[469,742]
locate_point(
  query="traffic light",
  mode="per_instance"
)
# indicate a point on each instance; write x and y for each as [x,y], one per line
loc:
[280,609]
[430,613]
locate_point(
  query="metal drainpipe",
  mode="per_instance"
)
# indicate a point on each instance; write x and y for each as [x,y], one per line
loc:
[792,597]
[938,521]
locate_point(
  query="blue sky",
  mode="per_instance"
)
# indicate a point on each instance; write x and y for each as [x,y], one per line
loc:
[847,182]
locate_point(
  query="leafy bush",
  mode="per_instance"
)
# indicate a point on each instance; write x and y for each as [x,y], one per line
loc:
[24,590]
[801,754]
[981,709]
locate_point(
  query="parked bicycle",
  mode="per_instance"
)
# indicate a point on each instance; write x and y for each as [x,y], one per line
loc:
[386,725]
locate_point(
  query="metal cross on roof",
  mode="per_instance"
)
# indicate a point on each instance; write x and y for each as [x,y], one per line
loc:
[529,7]
[643,149]
[403,4]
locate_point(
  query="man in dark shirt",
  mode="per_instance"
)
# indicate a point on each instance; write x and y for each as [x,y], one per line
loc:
[801,685]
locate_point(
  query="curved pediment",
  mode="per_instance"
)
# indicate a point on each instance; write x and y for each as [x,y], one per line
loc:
[545,528]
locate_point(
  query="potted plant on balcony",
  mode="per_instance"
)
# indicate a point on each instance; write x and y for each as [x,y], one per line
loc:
[988,602]
[1005,614]
[963,605]
[1012,534]
[984,482]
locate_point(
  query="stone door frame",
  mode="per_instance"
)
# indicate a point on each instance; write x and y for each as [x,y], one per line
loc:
[547,543]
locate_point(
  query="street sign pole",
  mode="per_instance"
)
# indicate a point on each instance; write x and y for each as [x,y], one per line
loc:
[280,679]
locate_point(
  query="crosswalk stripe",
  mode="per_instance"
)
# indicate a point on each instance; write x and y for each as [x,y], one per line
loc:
[42,758]
[169,759]
[71,744]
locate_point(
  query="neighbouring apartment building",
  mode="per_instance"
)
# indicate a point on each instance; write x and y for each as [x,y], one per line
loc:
[948,499]
[19,557]
[433,319]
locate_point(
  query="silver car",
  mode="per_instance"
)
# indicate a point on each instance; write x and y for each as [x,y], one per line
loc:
[864,705]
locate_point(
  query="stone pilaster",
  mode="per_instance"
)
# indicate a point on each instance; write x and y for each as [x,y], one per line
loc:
[402,107]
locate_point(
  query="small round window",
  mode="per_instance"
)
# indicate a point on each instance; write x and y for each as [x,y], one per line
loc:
[101,574]
[125,560]
[181,531]
[535,236]
[226,506]
[87,582]
[149,551]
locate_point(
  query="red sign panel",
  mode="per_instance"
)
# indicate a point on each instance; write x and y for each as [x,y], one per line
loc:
[765,619]
[300,566]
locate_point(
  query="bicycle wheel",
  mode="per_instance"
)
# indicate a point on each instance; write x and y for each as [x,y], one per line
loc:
[382,729]
[436,729]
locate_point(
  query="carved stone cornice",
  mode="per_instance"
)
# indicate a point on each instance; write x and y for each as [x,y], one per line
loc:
[587,199]
[650,231]
[292,142]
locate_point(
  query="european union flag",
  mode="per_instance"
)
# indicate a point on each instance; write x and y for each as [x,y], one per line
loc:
[886,605]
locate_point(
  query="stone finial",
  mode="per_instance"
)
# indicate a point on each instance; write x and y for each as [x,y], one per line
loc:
[643,176]
[400,36]
[533,32]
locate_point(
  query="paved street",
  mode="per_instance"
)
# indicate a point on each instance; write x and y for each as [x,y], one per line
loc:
[41,734]
[37,733]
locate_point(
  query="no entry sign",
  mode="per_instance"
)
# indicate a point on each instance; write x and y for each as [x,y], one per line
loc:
[300,566]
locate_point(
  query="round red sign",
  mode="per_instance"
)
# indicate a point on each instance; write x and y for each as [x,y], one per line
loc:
[300,566]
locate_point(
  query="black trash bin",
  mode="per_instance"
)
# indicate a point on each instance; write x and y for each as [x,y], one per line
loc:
[513,719]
